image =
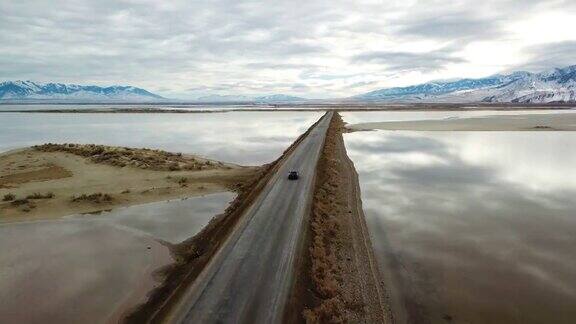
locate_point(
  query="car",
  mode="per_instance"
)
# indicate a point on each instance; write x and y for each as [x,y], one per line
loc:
[293,175]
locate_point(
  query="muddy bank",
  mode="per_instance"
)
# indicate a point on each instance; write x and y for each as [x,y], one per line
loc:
[193,254]
[524,122]
[51,180]
[338,280]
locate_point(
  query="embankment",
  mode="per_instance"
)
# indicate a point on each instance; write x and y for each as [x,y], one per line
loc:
[193,254]
[338,281]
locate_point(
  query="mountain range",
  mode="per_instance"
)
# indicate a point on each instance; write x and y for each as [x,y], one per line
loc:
[19,91]
[276,98]
[28,90]
[557,85]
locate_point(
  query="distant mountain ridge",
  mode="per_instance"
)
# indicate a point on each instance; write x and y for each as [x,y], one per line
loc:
[29,90]
[554,86]
[558,85]
[275,98]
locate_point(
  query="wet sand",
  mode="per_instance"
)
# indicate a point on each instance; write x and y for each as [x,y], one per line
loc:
[65,176]
[524,122]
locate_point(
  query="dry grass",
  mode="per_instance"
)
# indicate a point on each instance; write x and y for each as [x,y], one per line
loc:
[36,195]
[97,198]
[183,182]
[19,202]
[325,227]
[139,158]
[24,204]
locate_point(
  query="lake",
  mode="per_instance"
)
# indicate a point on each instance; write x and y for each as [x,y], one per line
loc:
[471,227]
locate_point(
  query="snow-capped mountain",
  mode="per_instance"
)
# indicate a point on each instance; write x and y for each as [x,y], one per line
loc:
[276,98]
[28,90]
[558,85]
[223,98]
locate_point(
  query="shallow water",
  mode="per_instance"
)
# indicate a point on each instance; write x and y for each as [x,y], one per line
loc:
[381,116]
[90,268]
[248,138]
[171,221]
[472,227]
[111,106]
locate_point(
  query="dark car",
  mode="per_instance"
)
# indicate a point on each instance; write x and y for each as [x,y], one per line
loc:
[293,175]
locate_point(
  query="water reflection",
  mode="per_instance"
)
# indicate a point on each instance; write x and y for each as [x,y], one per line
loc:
[388,116]
[474,227]
[249,138]
[172,221]
[93,266]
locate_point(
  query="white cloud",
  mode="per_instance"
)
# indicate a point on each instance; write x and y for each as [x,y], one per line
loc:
[307,48]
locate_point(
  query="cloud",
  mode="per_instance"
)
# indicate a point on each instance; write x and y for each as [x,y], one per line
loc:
[547,56]
[453,26]
[302,47]
[409,61]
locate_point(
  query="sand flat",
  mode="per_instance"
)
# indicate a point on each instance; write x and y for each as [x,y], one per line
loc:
[524,122]
[64,175]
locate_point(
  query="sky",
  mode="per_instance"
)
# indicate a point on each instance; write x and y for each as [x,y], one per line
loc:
[313,48]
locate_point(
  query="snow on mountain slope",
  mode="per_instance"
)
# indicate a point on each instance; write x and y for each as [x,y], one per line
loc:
[558,85]
[276,98]
[224,98]
[28,90]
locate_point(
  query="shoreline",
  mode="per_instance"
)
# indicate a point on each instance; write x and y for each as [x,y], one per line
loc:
[339,109]
[521,122]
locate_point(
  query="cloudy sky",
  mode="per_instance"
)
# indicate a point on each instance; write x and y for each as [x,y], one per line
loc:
[311,48]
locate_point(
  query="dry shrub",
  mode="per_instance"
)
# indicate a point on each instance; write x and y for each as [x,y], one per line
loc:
[93,198]
[19,202]
[24,204]
[9,197]
[330,311]
[183,182]
[325,272]
[124,156]
[36,195]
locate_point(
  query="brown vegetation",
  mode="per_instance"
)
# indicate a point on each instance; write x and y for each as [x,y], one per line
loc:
[324,272]
[338,268]
[9,197]
[142,158]
[24,204]
[37,195]
[19,202]
[97,198]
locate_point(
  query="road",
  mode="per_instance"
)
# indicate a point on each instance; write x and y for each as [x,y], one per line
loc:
[249,279]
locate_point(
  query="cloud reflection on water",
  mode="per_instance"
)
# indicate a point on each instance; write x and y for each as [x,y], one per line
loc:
[473,236]
[250,138]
